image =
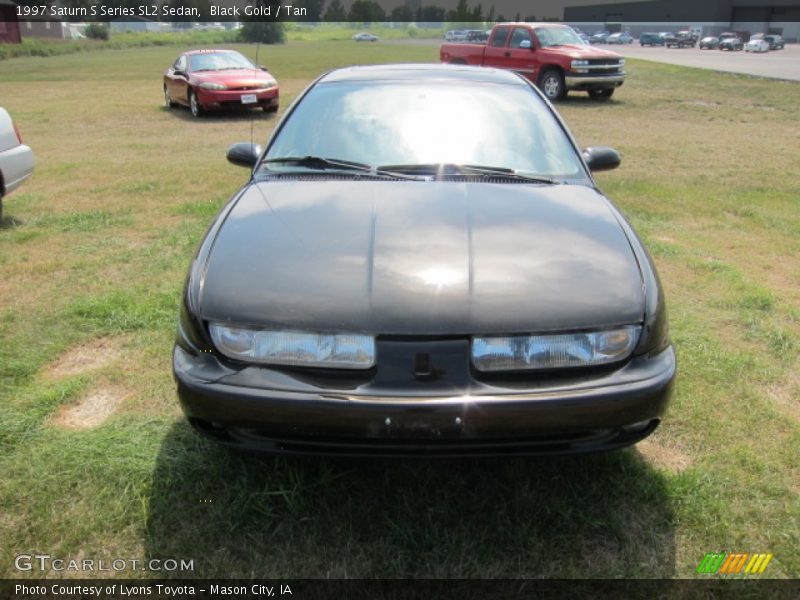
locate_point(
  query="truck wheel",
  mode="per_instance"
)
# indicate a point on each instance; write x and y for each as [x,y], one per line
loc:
[552,85]
[601,94]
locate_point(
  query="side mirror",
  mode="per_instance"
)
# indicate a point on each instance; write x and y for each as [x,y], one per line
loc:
[525,45]
[244,154]
[601,158]
[178,73]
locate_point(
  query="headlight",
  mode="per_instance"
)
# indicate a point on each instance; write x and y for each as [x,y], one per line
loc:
[293,348]
[579,63]
[553,351]
[208,85]
[269,84]
[621,62]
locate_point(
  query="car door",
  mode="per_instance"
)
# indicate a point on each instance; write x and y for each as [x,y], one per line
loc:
[496,53]
[521,53]
[178,78]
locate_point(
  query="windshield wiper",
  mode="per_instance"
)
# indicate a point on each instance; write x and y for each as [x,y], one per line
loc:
[459,169]
[324,164]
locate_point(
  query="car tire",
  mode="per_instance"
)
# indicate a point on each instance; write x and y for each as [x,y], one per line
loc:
[1,211]
[194,105]
[601,94]
[167,100]
[552,85]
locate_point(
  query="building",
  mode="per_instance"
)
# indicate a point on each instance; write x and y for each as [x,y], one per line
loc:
[711,16]
[9,23]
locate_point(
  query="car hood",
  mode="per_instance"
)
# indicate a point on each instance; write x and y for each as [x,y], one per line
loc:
[581,51]
[424,258]
[234,77]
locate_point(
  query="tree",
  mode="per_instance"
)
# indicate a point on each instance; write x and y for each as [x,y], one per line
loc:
[490,16]
[366,11]
[431,14]
[96,31]
[477,14]
[313,9]
[401,14]
[335,12]
[460,13]
[265,32]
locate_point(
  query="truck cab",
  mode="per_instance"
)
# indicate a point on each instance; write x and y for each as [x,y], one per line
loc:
[550,55]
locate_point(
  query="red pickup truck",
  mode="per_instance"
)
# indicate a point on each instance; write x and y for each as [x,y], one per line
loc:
[551,55]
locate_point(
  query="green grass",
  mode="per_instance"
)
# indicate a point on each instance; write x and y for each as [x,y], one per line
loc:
[117,41]
[94,250]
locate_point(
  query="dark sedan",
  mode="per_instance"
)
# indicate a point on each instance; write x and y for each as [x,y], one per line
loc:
[709,43]
[731,43]
[392,282]
[219,79]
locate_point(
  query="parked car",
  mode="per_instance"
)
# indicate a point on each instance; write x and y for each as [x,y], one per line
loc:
[456,35]
[682,39]
[477,36]
[730,34]
[462,290]
[775,42]
[651,39]
[219,79]
[16,159]
[549,54]
[599,37]
[757,45]
[619,38]
[709,43]
[365,37]
[731,43]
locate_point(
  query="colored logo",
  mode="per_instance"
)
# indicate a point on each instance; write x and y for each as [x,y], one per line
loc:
[734,563]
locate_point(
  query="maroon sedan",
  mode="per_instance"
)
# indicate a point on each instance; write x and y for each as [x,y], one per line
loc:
[214,79]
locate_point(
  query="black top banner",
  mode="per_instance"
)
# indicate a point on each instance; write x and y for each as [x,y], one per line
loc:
[389,589]
[478,12]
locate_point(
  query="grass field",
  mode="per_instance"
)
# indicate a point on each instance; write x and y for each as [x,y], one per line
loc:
[97,461]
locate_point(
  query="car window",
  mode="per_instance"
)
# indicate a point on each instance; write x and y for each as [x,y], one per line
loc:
[520,35]
[410,123]
[500,37]
[556,36]
[214,61]
[180,64]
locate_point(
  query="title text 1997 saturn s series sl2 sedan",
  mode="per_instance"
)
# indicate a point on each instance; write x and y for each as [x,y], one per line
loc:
[421,263]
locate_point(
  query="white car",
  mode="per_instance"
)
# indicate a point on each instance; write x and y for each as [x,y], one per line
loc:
[365,37]
[757,45]
[455,35]
[16,159]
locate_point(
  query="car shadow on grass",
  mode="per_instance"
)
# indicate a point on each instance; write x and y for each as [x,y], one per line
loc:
[215,116]
[583,100]
[236,515]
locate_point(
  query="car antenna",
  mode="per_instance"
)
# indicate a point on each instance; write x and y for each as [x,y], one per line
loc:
[255,76]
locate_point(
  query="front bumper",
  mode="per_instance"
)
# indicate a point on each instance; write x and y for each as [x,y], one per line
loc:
[211,99]
[593,82]
[258,408]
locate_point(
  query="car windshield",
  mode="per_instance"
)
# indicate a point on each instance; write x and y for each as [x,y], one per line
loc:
[557,36]
[419,123]
[217,61]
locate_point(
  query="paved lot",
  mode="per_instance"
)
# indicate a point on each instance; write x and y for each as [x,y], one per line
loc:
[781,64]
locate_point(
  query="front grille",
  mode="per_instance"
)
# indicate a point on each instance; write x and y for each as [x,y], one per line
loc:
[604,61]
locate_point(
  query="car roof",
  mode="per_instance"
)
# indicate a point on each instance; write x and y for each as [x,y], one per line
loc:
[422,72]
[209,51]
